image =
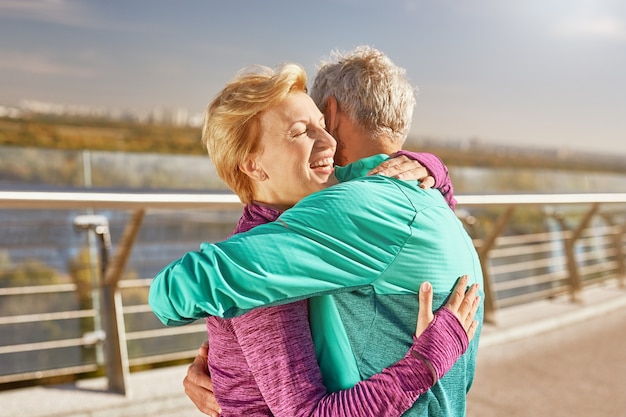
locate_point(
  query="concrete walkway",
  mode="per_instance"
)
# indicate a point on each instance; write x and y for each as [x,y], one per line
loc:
[563,362]
[526,367]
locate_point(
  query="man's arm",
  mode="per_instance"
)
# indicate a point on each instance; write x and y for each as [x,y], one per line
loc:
[199,386]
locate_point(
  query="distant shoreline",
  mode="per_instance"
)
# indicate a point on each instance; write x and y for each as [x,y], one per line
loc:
[74,133]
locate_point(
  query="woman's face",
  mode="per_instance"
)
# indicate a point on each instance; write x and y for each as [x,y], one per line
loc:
[296,155]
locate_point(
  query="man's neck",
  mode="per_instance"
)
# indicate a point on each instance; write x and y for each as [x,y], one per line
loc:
[360,143]
[374,146]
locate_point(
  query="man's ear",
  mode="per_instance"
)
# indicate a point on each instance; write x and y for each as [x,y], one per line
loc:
[330,115]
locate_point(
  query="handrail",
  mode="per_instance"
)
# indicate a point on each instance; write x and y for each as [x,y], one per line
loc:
[541,198]
[171,200]
[116,200]
[564,278]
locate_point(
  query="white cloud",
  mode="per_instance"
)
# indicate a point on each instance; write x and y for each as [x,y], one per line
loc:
[72,13]
[39,64]
[63,12]
[607,27]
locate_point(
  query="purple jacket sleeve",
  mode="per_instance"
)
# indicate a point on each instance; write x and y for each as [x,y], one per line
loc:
[280,352]
[437,170]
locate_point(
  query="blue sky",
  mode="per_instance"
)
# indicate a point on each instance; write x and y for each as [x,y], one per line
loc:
[536,73]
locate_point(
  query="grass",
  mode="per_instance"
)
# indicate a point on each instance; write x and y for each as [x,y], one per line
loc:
[74,134]
[108,135]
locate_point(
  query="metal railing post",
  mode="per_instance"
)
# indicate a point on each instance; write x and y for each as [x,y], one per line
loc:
[618,244]
[115,351]
[569,243]
[483,254]
[113,272]
[620,253]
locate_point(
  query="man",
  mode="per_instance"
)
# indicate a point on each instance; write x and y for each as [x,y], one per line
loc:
[366,124]
[368,105]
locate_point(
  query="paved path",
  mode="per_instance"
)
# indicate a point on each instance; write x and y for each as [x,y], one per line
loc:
[544,359]
[575,370]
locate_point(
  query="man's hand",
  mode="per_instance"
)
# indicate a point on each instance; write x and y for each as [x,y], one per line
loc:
[404,168]
[198,384]
[463,304]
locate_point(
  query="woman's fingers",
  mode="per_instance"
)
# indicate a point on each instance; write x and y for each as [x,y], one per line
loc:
[404,168]
[469,318]
[468,301]
[427,183]
[390,167]
[472,330]
[425,314]
[464,304]
[466,316]
[458,294]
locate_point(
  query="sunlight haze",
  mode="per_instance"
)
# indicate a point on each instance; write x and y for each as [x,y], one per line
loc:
[536,73]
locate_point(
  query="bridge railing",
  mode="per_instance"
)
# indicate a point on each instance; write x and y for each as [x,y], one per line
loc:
[94,319]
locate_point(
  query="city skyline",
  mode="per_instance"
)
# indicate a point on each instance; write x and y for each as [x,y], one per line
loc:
[525,73]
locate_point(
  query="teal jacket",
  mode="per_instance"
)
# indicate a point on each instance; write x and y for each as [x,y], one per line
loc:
[361,249]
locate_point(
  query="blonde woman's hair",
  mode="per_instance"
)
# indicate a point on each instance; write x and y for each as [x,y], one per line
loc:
[231,130]
[373,92]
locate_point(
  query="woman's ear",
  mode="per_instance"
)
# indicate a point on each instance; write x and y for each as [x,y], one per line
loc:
[251,168]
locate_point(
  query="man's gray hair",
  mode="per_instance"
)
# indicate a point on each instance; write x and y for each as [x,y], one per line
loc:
[374,92]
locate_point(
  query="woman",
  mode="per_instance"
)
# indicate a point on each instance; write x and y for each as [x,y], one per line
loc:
[269,144]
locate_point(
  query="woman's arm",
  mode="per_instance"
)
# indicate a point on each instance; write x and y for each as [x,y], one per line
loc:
[438,170]
[434,166]
[316,247]
[279,350]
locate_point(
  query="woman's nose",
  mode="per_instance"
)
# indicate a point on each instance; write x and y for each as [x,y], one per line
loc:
[326,140]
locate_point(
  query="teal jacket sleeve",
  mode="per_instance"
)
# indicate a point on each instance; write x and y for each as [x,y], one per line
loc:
[338,239]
